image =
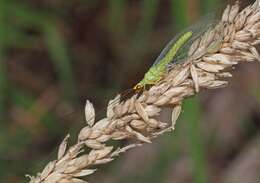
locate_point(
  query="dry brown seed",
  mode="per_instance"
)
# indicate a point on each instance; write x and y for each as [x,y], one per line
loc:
[162,125]
[215,45]
[124,149]
[257,3]
[220,58]
[118,135]
[169,129]
[229,32]
[111,127]
[95,134]
[48,169]
[151,99]
[255,42]
[201,51]
[73,151]
[194,47]
[175,115]
[254,32]
[211,67]
[188,92]
[132,104]
[253,18]
[240,45]
[120,123]
[181,76]
[216,84]
[140,110]
[174,91]
[142,98]
[153,123]
[226,14]
[125,107]
[227,50]
[101,153]
[84,133]
[103,138]
[127,118]
[63,147]
[54,177]
[135,116]
[152,110]
[78,163]
[63,163]
[173,73]
[204,39]
[246,57]
[255,26]
[194,76]
[240,21]
[176,100]
[205,79]
[162,88]
[89,113]
[255,53]
[225,75]
[102,124]
[233,33]
[103,161]
[85,172]
[138,124]
[226,33]
[233,12]
[247,11]
[93,144]
[138,135]
[118,110]
[154,90]
[162,100]
[111,105]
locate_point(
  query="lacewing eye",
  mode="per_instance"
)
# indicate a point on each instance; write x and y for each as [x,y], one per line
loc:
[137,88]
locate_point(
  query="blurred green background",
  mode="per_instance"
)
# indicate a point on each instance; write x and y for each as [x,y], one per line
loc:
[56,54]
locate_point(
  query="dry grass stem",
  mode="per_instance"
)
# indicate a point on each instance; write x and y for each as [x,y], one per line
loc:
[231,41]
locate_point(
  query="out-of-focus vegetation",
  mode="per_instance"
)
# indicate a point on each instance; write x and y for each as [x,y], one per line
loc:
[56,54]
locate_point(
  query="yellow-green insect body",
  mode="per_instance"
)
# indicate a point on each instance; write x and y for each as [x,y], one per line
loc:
[157,71]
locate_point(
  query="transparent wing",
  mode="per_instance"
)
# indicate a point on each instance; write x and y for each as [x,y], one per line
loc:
[197,30]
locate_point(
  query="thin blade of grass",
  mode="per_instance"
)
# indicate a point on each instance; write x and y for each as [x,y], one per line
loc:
[59,54]
[179,13]
[197,151]
[149,9]
[117,24]
[55,44]
[25,16]
[3,69]
[208,6]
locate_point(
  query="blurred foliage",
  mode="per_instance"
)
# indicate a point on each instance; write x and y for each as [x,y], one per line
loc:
[192,119]
[56,54]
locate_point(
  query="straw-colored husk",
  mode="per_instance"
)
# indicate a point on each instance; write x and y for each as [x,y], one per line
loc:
[230,42]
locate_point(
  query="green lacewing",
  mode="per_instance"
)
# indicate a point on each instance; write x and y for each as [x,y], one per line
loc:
[156,72]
